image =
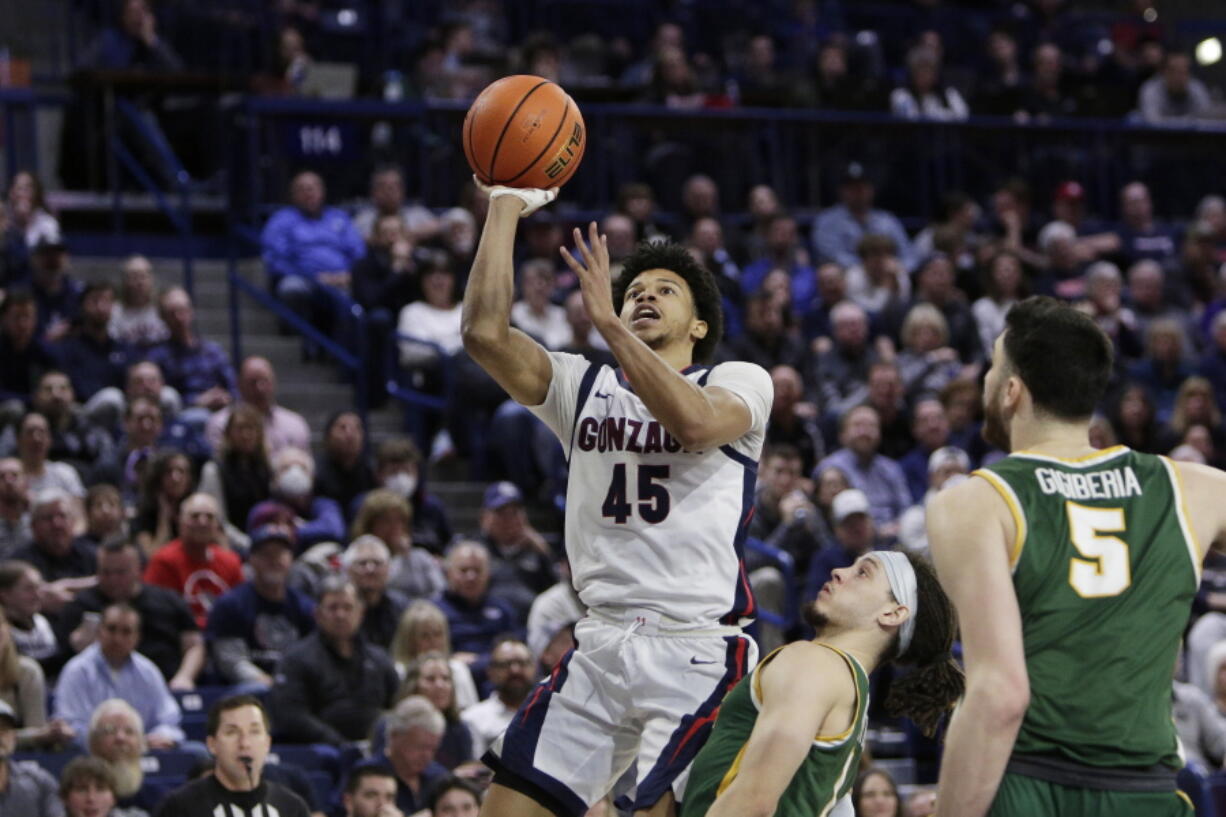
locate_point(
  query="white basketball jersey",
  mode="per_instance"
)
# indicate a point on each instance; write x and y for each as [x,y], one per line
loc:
[648,524]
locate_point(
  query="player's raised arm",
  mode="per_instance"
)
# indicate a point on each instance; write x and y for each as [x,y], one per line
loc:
[793,711]
[699,417]
[971,535]
[516,361]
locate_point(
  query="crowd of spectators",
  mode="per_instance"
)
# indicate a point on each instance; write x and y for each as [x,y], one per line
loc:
[166,528]
[1036,59]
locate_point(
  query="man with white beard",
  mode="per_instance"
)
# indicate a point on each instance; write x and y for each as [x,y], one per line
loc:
[117,738]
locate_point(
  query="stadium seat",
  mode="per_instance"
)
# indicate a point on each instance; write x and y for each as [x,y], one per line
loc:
[53,762]
[201,698]
[173,763]
[316,757]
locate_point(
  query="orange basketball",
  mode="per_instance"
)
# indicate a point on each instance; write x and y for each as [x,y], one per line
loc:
[524,131]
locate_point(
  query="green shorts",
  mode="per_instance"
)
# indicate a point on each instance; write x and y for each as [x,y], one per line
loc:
[1020,796]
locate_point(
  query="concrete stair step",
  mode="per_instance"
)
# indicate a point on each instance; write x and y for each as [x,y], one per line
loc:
[215,323]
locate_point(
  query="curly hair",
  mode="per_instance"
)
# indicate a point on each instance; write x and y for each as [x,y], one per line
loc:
[676,258]
[936,683]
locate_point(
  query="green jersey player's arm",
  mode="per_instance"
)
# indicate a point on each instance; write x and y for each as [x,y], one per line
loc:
[971,553]
[794,710]
[1202,489]
[516,361]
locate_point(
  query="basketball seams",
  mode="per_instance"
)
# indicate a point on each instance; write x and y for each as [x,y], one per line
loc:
[470,148]
[548,145]
[506,125]
[574,163]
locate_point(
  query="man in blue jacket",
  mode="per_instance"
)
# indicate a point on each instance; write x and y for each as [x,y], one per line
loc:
[309,244]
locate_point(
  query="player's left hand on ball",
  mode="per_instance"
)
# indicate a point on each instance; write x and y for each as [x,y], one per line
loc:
[532,198]
[593,272]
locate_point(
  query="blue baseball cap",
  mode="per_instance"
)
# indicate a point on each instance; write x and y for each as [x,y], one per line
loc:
[501,494]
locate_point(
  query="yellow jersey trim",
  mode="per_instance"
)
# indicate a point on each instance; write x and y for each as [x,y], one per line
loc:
[1015,508]
[733,770]
[842,781]
[1081,462]
[852,663]
[1195,551]
[1183,796]
[755,683]
[755,695]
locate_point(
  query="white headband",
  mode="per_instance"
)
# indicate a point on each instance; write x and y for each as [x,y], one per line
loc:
[901,576]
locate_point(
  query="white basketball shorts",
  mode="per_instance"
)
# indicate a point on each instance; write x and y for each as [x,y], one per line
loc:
[630,693]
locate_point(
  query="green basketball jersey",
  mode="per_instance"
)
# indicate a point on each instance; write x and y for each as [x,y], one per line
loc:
[1105,567]
[825,776]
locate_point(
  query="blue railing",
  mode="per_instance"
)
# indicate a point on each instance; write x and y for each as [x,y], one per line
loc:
[155,143]
[783,562]
[347,343]
[419,405]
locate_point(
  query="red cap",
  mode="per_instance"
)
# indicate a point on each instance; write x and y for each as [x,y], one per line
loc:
[1070,191]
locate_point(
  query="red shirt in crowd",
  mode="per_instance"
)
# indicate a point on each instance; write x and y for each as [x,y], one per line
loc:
[199,582]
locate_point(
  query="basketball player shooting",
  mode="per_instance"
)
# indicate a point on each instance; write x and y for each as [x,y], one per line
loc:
[663,459]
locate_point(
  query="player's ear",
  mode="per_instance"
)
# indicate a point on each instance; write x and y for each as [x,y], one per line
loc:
[894,615]
[1013,390]
[698,329]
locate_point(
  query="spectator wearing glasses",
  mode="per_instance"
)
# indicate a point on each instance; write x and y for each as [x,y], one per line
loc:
[117,740]
[511,671]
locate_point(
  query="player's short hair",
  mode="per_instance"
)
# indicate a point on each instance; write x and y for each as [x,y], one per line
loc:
[677,259]
[1061,355]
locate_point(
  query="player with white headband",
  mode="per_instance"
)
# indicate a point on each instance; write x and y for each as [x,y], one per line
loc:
[788,738]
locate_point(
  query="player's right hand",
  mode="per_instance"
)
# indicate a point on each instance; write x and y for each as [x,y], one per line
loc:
[533,198]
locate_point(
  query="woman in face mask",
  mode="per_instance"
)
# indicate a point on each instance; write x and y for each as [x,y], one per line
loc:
[398,469]
[318,518]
